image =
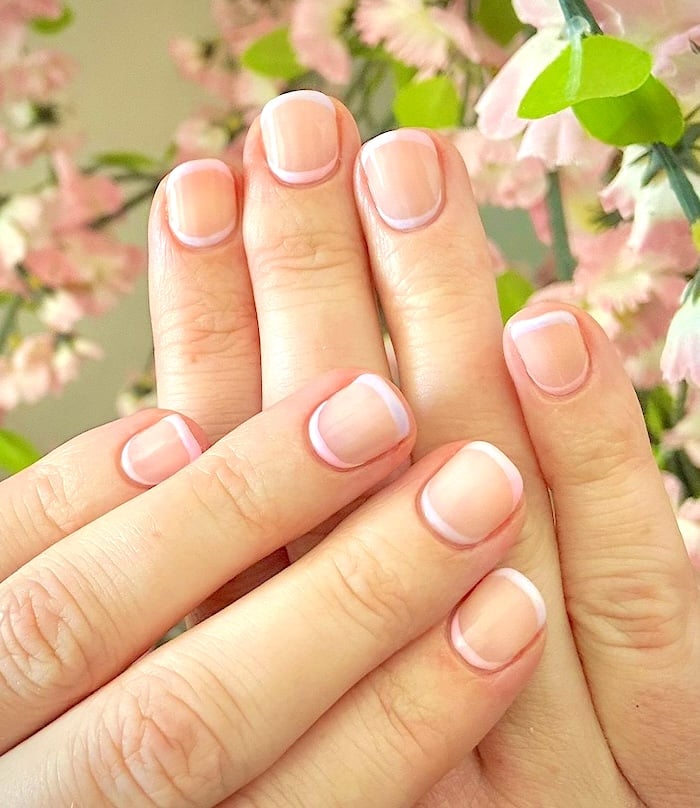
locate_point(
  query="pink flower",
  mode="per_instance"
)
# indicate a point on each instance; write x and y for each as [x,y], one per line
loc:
[416,34]
[651,204]
[210,70]
[686,433]
[498,106]
[315,34]
[681,357]
[32,367]
[60,311]
[676,64]
[688,516]
[23,10]
[9,393]
[498,177]
[242,22]
[82,198]
[560,140]
[39,75]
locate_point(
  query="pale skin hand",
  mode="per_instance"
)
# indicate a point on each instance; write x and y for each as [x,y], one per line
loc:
[94,568]
[610,717]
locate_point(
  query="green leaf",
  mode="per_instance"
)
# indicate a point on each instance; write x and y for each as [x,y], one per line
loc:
[131,161]
[695,232]
[47,25]
[16,453]
[402,73]
[608,67]
[650,114]
[498,20]
[274,56]
[434,103]
[513,293]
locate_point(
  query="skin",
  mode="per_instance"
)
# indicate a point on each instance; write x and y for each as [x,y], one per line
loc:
[622,656]
[335,682]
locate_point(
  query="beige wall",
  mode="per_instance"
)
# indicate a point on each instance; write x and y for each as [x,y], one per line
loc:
[129,97]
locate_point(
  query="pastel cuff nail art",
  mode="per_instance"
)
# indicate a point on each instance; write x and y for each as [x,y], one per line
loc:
[359,423]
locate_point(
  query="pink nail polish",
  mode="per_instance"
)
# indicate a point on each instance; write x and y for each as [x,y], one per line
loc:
[359,423]
[160,450]
[404,177]
[300,134]
[202,204]
[472,494]
[553,351]
[500,618]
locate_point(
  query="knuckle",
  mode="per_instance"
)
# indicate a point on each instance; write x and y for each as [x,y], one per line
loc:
[47,641]
[154,748]
[52,506]
[210,326]
[300,254]
[367,590]
[631,606]
[408,727]
[232,490]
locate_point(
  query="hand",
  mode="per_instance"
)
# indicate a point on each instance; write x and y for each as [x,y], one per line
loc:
[95,569]
[622,657]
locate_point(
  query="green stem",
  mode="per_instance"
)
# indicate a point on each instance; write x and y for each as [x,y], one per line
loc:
[565,262]
[96,224]
[8,324]
[678,179]
[578,8]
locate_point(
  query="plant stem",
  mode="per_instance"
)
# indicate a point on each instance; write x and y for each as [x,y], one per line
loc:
[96,224]
[678,179]
[578,8]
[9,321]
[565,263]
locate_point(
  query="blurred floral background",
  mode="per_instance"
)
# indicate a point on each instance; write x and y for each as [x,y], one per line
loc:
[578,119]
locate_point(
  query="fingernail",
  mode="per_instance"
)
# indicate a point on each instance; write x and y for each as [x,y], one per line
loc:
[201,200]
[500,618]
[359,423]
[159,451]
[553,351]
[300,134]
[472,494]
[404,177]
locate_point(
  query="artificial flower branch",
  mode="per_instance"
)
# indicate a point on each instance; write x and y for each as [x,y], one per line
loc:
[564,260]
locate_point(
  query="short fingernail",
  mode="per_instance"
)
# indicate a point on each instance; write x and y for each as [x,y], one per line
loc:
[359,423]
[553,351]
[202,204]
[500,618]
[404,177]
[472,494]
[159,451]
[300,134]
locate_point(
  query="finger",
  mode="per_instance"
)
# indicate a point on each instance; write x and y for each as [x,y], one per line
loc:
[204,327]
[431,264]
[630,587]
[76,615]
[307,256]
[233,693]
[411,721]
[84,479]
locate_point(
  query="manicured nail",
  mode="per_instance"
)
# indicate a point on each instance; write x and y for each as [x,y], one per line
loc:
[159,451]
[404,177]
[300,134]
[202,205]
[359,423]
[500,618]
[472,494]
[553,351]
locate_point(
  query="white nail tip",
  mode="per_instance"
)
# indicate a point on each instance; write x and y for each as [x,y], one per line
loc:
[526,586]
[267,125]
[320,444]
[193,167]
[129,469]
[520,327]
[506,464]
[188,440]
[466,651]
[392,401]
[438,523]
